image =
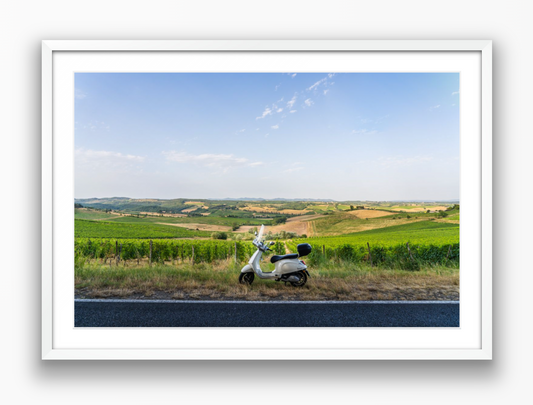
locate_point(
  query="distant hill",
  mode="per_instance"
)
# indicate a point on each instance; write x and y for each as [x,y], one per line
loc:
[245,207]
[103,199]
[273,199]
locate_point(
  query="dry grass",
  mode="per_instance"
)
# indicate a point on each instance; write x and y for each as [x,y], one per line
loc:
[343,223]
[448,221]
[200,227]
[294,212]
[271,210]
[305,217]
[245,228]
[219,281]
[363,214]
[259,209]
[420,209]
[299,225]
[299,228]
[155,214]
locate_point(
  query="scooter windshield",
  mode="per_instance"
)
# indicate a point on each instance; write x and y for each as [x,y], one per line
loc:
[260,234]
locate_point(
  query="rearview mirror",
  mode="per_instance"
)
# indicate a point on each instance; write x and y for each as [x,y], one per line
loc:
[272,243]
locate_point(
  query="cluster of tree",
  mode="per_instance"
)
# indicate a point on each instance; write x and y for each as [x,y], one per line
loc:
[282,235]
[292,206]
[76,205]
[279,220]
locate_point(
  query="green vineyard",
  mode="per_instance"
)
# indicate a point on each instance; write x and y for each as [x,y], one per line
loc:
[161,250]
[423,232]
[408,246]
[101,229]
[404,246]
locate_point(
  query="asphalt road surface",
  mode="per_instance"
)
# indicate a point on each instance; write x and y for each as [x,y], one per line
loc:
[152,313]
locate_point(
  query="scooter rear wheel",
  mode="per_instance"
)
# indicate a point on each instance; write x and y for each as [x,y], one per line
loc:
[303,279]
[246,278]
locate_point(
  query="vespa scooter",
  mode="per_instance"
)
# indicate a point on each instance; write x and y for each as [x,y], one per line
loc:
[288,267]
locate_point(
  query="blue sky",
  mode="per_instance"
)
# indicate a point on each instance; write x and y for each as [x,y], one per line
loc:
[342,136]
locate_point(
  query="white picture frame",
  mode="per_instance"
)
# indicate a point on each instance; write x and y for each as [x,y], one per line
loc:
[60,340]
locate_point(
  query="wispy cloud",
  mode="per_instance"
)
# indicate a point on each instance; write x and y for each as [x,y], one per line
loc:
[107,154]
[275,126]
[291,102]
[455,92]
[294,167]
[105,160]
[220,161]
[434,107]
[271,110]
[317,84]
[322,82]
[267,111]
[275,108]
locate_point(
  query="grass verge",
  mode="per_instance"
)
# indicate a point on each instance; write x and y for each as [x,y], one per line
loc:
[219,281]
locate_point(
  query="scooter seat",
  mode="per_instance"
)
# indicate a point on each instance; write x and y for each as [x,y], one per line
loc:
[275,259]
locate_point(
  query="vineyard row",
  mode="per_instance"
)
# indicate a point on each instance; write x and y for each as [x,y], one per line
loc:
[160,250]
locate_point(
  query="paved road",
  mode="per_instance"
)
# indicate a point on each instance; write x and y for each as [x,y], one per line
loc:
[145,313]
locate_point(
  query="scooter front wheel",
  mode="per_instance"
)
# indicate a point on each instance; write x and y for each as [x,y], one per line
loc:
[302,281]
[246,278]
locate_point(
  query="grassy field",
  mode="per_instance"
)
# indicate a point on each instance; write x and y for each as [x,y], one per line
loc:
[425,232]
[83,213]
[347,222]
[114,257]
[135,218]
[104,229]
[219,281]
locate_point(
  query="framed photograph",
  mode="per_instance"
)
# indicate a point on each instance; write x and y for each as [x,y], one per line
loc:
[267,199]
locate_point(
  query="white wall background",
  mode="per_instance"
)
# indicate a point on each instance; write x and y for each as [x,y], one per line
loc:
[27,379]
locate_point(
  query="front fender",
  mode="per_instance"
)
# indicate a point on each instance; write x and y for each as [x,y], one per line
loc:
[247,269]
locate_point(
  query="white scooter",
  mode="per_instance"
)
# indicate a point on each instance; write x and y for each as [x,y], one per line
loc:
[288,267]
